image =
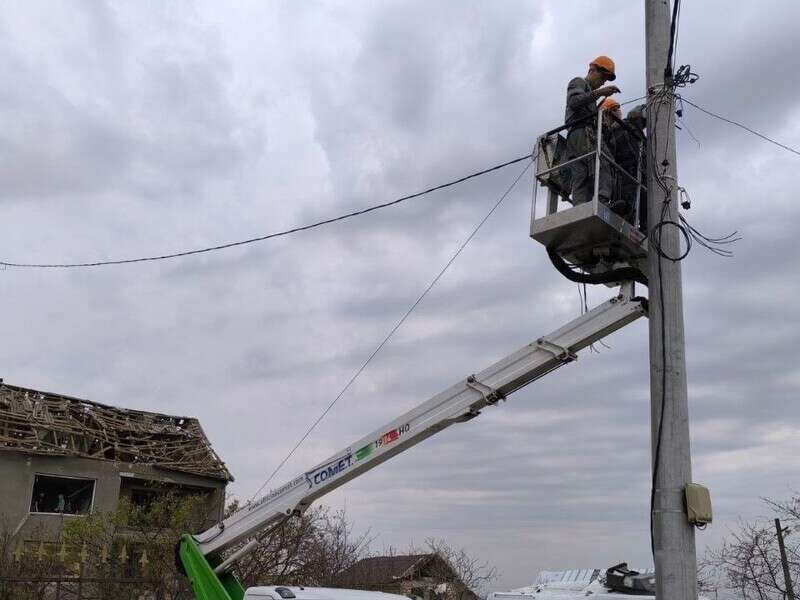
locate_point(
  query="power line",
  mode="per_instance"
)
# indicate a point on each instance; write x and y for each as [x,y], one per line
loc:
[634,100]
[263,237]
[683,125]
[394,329]
[745,127]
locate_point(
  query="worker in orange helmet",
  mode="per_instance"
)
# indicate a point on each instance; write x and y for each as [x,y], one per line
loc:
[610,105]
[580,116]
[627,141]
[612,123]
[617,137]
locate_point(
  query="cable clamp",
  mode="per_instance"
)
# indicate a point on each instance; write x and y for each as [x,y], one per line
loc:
[559,352]
[490,395]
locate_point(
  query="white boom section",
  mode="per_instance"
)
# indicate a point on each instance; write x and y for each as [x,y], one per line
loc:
[459,403]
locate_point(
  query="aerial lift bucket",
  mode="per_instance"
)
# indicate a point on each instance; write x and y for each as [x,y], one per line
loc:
[590,238]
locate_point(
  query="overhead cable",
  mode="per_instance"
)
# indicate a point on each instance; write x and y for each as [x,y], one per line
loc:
[100,263]
[745,127]
[634,100]
[393,330]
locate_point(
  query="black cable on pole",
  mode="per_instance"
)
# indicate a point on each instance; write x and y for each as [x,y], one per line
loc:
[393,330]
[655,239]
[657,453]
[263,237]
[689,233]
[745,127]
[672,35]
[677,35]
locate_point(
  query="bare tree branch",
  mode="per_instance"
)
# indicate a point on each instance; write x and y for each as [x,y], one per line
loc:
[749,560]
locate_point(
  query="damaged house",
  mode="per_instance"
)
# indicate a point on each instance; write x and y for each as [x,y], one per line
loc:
[422,576]
[62,457]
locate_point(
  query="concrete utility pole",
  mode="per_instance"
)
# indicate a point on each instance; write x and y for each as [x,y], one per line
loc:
[674,546]
[787,576]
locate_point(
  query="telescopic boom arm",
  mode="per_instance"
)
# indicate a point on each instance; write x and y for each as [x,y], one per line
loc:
[461,402]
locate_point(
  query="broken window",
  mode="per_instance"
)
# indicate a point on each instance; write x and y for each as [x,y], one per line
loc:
[67,495]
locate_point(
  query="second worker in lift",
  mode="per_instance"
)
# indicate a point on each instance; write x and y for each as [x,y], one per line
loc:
[581,116]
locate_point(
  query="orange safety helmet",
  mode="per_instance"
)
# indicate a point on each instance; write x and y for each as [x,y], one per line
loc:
[606,64]
[609,104]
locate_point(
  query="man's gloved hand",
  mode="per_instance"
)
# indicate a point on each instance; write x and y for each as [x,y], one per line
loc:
[606,91]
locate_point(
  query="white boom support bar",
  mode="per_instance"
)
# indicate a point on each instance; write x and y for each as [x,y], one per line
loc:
[459,403]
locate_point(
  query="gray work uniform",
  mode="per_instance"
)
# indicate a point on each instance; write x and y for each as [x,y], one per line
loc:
[627,150]
[581,138]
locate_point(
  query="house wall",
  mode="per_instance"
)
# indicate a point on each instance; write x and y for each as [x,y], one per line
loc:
[18,470]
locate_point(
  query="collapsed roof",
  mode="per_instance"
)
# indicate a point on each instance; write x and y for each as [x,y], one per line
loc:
[37,422]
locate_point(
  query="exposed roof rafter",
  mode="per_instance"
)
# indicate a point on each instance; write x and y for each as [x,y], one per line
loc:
[38,422]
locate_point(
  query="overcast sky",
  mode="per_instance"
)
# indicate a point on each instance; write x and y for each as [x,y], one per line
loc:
[129,129]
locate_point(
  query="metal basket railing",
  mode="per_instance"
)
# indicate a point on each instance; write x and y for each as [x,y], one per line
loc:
[552,167]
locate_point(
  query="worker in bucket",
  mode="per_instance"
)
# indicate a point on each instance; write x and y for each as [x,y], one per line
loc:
[637,118]
[617,141]
[627,146]
[611,106]
[581,114]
